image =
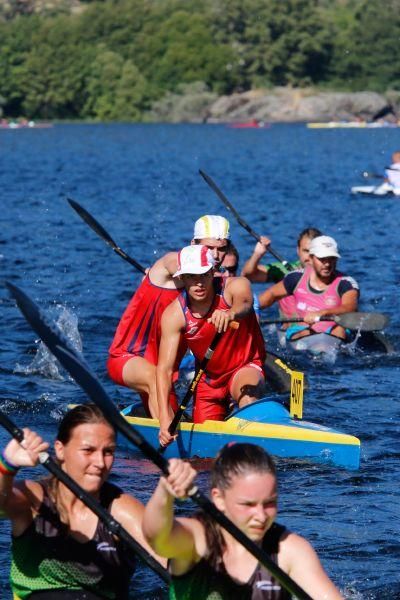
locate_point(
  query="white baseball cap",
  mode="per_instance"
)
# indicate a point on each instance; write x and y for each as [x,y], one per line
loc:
[194,260]
[324,246]
[211,226]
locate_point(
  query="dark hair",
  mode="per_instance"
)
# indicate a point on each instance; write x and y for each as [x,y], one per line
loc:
[310,232]
[232,461]
[79,415]
[232,251]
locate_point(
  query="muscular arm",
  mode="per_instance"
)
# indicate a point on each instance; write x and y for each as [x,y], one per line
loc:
[161,272]
[349,304]
[180,539]
[252,269]
[300,561]
[172,324]
[238,294]
[17,500]
[129,512]
[272,294]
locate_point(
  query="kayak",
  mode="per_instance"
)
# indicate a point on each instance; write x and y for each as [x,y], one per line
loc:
[253,124]
[330,345]
[384,189]
[266,423]
[277,372]
[351,125]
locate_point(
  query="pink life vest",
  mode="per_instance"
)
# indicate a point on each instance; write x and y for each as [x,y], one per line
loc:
[287,307]
[307,301]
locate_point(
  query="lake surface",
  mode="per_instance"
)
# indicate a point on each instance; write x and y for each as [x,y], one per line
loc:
[142,183]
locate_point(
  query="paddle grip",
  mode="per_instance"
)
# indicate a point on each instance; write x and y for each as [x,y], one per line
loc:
[12,429]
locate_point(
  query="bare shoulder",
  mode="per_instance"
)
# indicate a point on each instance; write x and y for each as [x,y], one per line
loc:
[196,528]
[173,316]
[298,558]
[237,283]
[127,506]
[161,271]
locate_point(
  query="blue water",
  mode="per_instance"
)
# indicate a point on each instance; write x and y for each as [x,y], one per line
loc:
[142,183]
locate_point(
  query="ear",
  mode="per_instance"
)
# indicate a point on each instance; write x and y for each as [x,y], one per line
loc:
[218,498]
[59,450]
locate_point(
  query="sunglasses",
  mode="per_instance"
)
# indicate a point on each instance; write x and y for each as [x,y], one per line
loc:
[231,270]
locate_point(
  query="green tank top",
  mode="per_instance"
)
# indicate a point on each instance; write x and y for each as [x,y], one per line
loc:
[277,271]
[204,582]
[45,557]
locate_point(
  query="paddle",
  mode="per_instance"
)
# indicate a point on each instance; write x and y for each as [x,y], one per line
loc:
[357,321]
[79,370]
[239,219]
[116,528]
[369,175]
[101,232]
[196,378]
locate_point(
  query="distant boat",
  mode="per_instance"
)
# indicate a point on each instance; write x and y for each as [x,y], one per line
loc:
[253,124]
[24,124]
[352,124]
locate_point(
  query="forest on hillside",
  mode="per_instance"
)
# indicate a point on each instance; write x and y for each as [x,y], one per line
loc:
[113,60]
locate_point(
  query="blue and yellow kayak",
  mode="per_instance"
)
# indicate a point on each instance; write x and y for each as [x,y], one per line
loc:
[266,423]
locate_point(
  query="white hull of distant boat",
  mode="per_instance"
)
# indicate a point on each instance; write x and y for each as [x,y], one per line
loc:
[384,189]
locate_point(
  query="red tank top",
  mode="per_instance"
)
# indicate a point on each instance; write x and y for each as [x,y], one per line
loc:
[236,348]
[139,330]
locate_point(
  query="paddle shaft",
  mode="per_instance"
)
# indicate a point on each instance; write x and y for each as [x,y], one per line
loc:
[101,232]
[112,525]
[240,220]
[196,378]
[82,374]
[356,321]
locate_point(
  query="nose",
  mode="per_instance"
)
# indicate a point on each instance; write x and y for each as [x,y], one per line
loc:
[260,513]
[98,459]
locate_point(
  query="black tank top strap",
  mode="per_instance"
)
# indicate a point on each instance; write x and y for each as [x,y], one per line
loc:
[272,538]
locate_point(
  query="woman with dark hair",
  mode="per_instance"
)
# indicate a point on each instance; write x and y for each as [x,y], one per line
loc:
[206,562]
[60,549]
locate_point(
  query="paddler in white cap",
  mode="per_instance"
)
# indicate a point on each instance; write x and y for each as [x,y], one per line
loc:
[133,353]
[318,291]
[207,306]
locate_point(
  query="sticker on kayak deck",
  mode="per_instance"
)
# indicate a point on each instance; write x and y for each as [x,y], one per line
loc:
[296,394]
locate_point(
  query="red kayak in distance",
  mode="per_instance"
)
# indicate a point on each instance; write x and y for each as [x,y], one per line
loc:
[253,124]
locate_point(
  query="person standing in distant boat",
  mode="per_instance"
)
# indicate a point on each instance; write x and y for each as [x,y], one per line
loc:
[318,291]
[208,305]
[133,354]
[393,174]
[205,561]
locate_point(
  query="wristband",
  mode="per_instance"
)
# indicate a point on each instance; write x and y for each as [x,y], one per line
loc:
[7,468]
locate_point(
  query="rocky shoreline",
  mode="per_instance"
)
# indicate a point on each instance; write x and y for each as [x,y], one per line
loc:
[283,105]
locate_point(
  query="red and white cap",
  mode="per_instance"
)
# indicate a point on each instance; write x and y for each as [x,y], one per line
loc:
[194,260]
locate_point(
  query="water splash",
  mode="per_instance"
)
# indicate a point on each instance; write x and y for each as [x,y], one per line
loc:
[44,362]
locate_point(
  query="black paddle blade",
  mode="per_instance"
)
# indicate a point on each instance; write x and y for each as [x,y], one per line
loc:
[101,232]
[76,366]
[362,321]
[91,221]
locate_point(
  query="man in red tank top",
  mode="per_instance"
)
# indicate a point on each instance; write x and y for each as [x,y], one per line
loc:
[133,354]
[319,291]
[208,305]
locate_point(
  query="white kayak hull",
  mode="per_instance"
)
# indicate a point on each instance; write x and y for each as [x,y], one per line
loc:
[384,189]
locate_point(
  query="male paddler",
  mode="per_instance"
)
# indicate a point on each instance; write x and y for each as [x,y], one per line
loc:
[133,353]
[207,305]
[318,291]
